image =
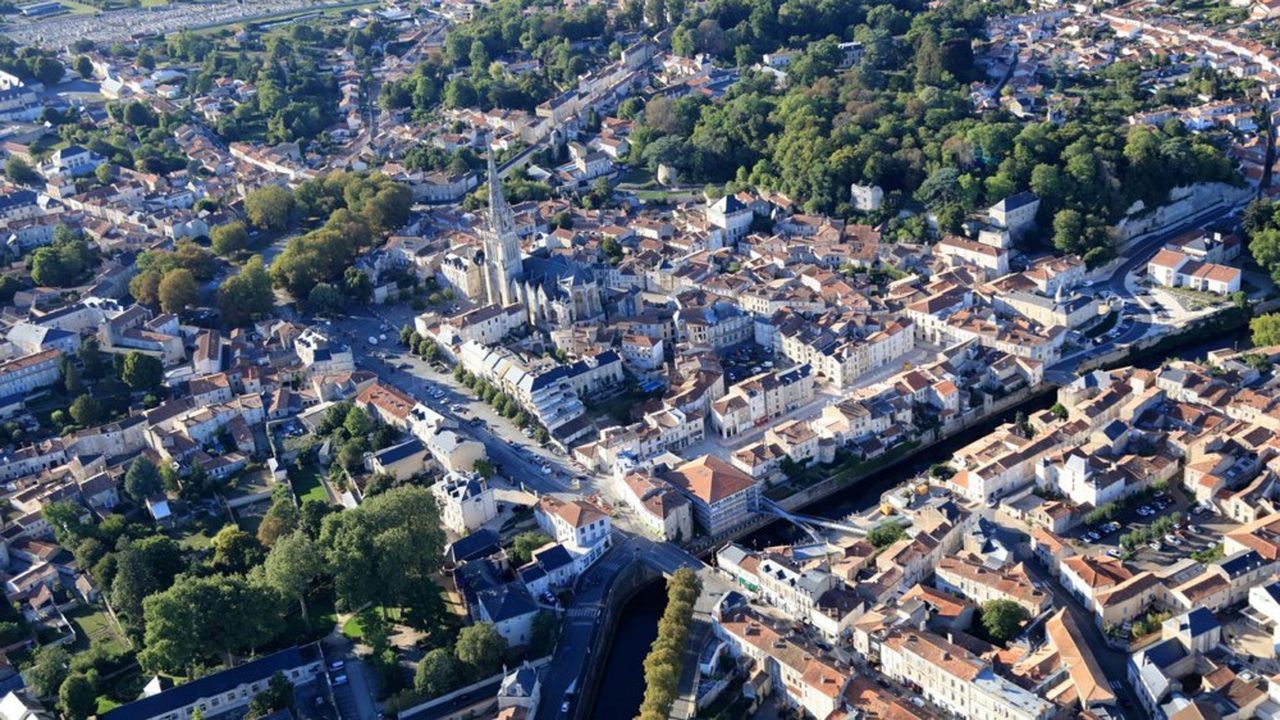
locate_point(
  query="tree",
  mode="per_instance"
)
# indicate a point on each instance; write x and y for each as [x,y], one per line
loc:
[246,294]
[524,544]
[17,170]
[542,636]
[1068,230]
[50,266]
[47,69]
[177,291]
[270,207]
[292,566]
[325,298]
[229,238]
[1265,330]
[235,551]
[277,696]
[481,649]
[145,286]
[90,357]
[281,518]
[357,285]
[86,411]
[48,670]
[84,67]
[438,673]
[663,664]
[380,550]
[885,534]
[143,567]
[142,480]
[141,372]
[77,697]
[358,424]
[312,515]
[70,376]
[201,620]
[1002,619]
[1265,247]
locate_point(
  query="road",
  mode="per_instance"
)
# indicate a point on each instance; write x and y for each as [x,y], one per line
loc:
[1134,324]
[520,460]
[1114,663]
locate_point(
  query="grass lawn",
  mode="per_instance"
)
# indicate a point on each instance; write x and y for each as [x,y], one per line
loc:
[354,631]
[635,176]
[76,8]
[307,484]
[94,626]
[197,534]
[120,689]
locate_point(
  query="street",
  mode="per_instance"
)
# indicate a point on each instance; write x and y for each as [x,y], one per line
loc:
[1134,325]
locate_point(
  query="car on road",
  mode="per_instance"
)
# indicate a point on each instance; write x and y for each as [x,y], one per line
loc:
[337,664]
[372,340]
[339,680]
[546,469]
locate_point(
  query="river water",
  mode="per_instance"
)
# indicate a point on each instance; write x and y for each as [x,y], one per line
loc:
[623,681]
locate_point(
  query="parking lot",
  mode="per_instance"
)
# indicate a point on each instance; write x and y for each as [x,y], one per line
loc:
[743,361]
[1198,531]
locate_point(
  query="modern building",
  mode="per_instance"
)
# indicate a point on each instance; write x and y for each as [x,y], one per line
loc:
[723,496]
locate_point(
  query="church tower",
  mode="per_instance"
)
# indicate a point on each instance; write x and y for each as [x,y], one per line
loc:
[502,263]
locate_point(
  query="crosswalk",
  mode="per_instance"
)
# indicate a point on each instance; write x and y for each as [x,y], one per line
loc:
[584,612]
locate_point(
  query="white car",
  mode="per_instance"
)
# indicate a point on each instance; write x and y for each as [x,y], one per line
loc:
[546,469]
[372,340]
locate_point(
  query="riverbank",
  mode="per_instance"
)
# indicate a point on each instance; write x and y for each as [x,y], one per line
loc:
[863,490]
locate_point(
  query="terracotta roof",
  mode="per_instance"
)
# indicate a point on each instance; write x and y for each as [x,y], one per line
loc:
[710,479]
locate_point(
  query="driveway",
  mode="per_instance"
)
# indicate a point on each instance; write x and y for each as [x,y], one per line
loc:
[354,699]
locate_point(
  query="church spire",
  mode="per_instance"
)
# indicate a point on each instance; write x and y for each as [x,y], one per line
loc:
[502,221]
[503,263]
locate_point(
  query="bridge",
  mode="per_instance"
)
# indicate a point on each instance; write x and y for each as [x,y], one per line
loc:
[809,523]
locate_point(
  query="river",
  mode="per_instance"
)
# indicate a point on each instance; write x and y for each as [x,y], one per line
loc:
[638,622]
[623,677]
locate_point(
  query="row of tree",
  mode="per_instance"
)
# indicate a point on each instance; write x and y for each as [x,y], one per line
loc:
[665,661]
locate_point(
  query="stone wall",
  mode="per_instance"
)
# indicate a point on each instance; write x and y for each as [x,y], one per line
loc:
[1183,203]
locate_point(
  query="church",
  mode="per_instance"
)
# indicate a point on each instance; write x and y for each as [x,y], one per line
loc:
[555,291]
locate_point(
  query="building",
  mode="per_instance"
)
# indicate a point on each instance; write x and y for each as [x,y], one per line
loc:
[1175,268]
[1016,213]
[29,373]
[578,524]
[723,496]
[555,291]
[967,576]
[224,691]
[322,356]
[731,217]
[956,679]
[662,508]
[866,198]
[466,501]
[761,398]
[402,460]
